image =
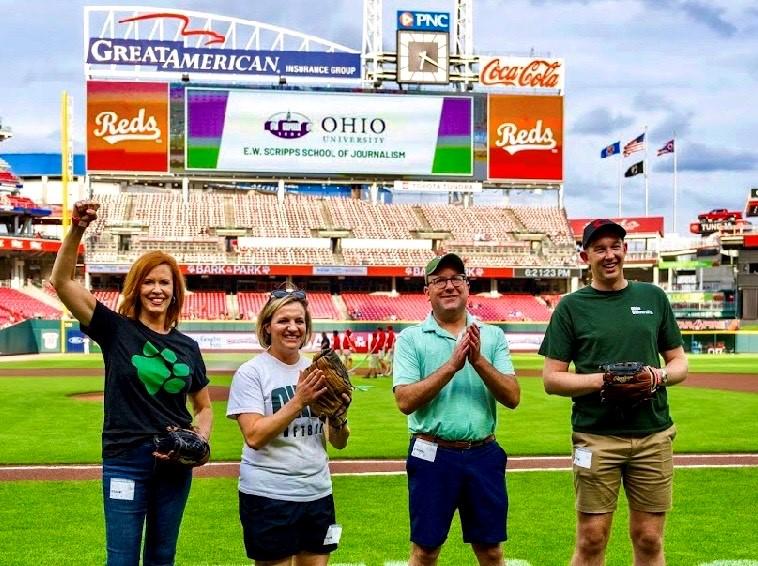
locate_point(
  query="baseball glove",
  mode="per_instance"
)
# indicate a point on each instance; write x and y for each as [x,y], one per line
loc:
[331,404]
[183,447]
[627,384]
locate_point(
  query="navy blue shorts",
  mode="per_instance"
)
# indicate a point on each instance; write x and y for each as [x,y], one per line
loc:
[274,529]
[472,481]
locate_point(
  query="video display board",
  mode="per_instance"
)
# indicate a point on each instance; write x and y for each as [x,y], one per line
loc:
[328,133]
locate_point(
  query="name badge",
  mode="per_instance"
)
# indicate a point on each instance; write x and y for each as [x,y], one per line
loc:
[122,489]
[424,450]
[333,534]
[583,457]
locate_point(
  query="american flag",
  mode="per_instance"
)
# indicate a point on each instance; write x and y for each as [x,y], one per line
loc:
[637,144]
[668,147]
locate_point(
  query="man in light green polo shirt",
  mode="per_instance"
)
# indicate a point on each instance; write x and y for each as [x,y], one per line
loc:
[450,372]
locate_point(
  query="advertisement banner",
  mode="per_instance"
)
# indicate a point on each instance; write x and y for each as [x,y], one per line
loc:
[632,224]
[522,72]
[524,138]
[436,187]
[127,126]
[307,133]
[174,57]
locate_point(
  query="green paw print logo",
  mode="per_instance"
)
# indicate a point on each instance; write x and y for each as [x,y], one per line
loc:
[159,369]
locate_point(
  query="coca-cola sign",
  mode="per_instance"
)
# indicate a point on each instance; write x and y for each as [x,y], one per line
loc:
[525,137]
[522,72]
[127,126]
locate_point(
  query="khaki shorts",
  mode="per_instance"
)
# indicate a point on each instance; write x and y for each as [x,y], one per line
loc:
[645,464]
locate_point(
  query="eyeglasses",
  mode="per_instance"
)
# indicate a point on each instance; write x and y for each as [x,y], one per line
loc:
[282,293]
[441,282]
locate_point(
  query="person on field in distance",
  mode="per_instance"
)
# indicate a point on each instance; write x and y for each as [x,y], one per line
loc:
[325,344]
[348,347]
[373,356]
[450,372]
[336,343]
[285,490]
[615,320]
[150,370]
[389,350]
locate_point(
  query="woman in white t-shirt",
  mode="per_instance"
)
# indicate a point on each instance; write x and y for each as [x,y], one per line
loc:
[285,490]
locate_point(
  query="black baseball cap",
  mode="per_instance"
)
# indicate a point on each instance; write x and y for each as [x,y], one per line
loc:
[451,260]
[601,225]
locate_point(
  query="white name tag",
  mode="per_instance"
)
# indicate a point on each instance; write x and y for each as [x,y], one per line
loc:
[424,450]
[333,534]
[122,489]
[583,457]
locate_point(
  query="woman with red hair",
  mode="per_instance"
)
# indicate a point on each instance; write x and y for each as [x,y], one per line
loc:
[150,370]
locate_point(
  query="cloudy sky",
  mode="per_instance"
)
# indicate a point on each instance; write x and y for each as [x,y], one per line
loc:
[684,66]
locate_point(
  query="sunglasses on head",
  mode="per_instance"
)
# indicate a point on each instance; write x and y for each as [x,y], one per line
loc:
[282,293]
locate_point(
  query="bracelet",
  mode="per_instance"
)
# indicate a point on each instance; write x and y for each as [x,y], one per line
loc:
[76,221]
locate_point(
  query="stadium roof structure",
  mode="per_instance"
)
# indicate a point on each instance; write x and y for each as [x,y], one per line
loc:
[39,164]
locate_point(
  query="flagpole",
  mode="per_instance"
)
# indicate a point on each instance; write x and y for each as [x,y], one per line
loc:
[645,169]
[676,150]
[619,175]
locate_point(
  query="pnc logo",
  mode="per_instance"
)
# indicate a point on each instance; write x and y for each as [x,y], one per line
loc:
[406,19]
[113,129]
[512,139]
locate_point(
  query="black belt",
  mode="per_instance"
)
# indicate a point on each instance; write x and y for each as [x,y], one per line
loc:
[456,444]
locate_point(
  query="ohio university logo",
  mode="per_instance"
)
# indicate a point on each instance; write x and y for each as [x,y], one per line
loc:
[512,139]
[113,129]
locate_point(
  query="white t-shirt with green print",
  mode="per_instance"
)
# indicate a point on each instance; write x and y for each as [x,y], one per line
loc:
[294,466]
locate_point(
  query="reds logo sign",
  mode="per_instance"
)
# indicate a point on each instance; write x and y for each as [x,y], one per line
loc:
[513,140]
[113,129]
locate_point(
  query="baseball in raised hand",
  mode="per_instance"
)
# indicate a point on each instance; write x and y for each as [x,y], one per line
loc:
[84,213]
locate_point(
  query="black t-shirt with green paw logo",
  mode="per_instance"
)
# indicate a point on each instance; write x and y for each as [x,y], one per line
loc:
[147,378]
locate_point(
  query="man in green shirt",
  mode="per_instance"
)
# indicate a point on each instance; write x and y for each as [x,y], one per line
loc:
[613,320]
[450,372]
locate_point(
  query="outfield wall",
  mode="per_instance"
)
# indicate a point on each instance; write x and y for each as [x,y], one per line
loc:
[44,336]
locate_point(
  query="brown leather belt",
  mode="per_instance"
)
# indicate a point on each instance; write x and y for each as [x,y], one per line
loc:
[456,444]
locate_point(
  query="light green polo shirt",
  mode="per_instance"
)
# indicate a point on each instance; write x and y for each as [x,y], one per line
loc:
[464,409]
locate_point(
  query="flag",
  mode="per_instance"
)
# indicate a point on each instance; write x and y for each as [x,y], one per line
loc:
[637,144]
[668,147]
[612,149]
[635,169]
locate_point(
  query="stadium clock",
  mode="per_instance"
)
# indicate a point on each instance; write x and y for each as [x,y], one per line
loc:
[548,272]
[423,57]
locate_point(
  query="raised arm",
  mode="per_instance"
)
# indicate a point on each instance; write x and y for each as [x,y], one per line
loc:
[73,294]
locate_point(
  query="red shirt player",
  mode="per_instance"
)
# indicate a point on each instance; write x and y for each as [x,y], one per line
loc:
[381,340]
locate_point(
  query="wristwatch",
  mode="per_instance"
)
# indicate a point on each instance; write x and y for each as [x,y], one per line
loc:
[664,377]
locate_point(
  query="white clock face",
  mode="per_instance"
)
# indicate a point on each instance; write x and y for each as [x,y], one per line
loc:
[423,57]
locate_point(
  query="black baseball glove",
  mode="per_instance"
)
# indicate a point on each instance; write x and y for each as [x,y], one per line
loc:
[183,447]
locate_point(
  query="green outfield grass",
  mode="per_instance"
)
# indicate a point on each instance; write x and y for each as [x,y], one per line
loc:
[725,363]
[43,424]
[713,519]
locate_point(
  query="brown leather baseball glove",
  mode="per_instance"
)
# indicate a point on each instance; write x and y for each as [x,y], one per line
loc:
[627,384]
[332,404]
